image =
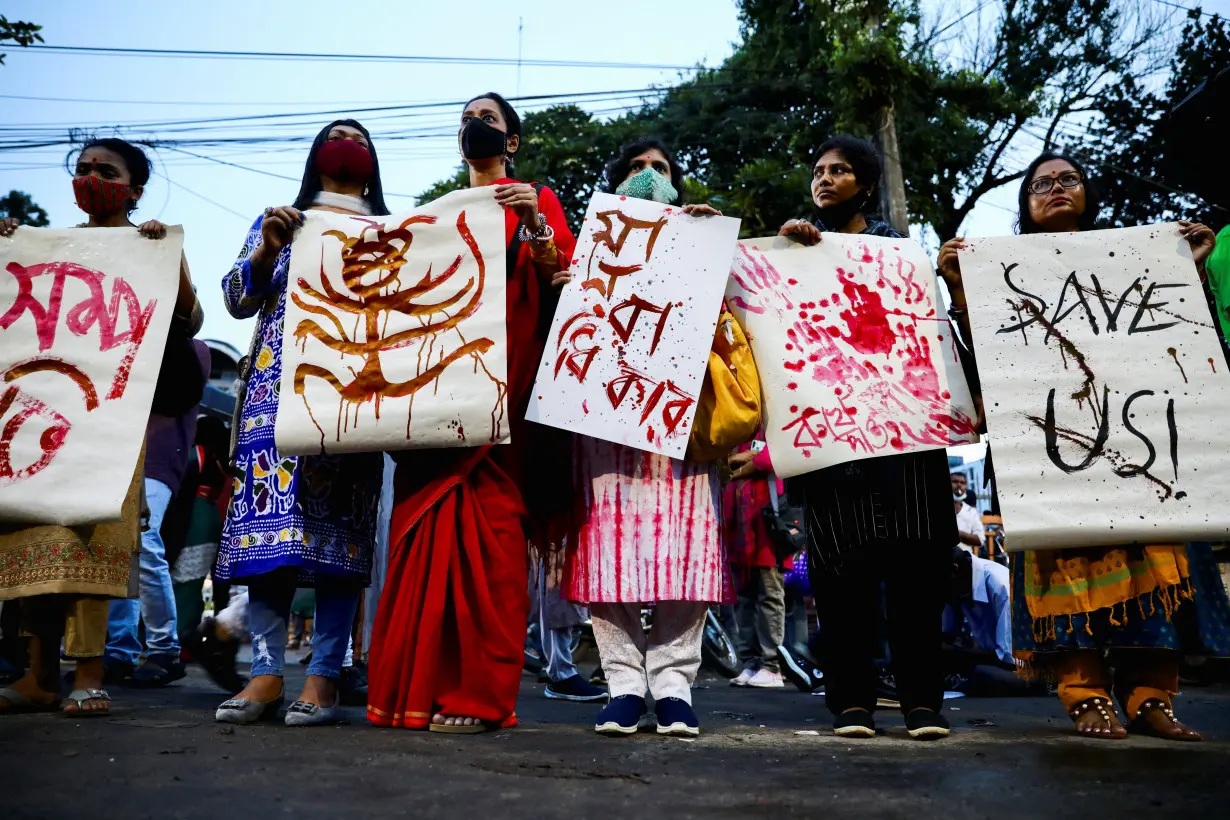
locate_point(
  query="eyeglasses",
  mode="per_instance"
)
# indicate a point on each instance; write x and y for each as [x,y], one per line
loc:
[1043,185]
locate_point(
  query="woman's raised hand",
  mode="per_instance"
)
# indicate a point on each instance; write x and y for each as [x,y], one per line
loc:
[8,225]
[1201,238]
[278,227]
[152,229]
[950,263]
[522,199]
[800,230]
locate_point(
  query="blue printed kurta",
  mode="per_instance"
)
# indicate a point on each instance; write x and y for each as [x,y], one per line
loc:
[314,513]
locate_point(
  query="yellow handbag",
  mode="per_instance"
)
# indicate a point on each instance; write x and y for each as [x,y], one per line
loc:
[728,410]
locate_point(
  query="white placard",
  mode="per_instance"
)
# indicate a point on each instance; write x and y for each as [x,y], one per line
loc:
[1105,387]
[84,315]
[630,342]
[857,357]
[395,334]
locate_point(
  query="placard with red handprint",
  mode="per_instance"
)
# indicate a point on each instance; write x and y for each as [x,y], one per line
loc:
[856,354]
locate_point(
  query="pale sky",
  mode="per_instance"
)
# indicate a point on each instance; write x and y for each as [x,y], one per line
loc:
[142,89]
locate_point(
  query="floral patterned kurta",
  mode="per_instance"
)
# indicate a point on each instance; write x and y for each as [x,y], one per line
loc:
[315,513]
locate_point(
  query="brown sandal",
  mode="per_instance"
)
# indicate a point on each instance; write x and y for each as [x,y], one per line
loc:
[1156,718]
[1096,717]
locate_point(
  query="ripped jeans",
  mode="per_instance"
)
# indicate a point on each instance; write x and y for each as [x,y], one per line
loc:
[269,600]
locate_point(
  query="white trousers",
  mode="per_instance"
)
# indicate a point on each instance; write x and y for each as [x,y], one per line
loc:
[663,663]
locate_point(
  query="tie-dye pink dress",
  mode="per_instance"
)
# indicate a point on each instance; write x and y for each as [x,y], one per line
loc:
[650,528]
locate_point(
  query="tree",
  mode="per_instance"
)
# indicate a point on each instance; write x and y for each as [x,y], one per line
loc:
[974,99]
[23,34]
[19,206]
[1131,147]
[968,95]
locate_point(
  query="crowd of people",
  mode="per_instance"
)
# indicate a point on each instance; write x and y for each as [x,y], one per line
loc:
[889,548]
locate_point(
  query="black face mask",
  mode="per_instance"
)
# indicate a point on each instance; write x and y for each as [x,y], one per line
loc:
[479,140]
[836,217]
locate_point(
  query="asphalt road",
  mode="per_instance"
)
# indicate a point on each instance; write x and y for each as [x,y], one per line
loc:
[761,754]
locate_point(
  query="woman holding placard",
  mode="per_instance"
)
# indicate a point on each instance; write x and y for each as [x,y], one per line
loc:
[1147,604]
[65,576]
[449,638]
[656,517]
[293,522]
[885,520]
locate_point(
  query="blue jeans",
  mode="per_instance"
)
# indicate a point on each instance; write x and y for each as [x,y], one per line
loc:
[156,606]
[988,610]
[269,600]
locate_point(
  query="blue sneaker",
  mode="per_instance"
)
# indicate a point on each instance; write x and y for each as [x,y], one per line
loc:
[675,717]
[576,689]
[621,716]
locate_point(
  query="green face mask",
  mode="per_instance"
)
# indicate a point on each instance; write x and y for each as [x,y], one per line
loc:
[648,184]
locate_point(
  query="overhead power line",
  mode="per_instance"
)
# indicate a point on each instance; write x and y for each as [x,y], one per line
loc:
[187,103]
[350,58]
[580,96]
[1198,10]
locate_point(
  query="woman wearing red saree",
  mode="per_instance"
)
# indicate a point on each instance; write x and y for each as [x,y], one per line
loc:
[449,637]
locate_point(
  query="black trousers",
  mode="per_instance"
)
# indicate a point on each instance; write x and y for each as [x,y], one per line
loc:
[915,579]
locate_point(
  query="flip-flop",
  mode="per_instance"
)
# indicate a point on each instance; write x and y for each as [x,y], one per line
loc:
[460,729]
[84,696]
[20,704]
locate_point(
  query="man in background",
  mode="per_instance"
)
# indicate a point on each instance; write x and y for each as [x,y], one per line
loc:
[987,609]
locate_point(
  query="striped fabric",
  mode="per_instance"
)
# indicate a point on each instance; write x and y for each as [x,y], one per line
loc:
[651,529]
[891,500]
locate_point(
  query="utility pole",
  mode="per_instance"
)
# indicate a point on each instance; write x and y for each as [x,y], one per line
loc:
[892,193]
[520,26]
[892,188]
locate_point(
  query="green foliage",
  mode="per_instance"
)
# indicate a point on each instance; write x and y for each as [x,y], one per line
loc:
[1129,146]
[23,34]
[19,206]
[973,98]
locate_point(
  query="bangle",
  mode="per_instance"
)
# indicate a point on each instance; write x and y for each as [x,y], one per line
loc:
[543,233]
[958,310]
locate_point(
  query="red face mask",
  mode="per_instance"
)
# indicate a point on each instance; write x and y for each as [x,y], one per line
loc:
[345,160]
[101,197]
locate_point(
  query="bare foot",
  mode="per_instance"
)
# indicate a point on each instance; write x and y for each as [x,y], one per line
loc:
[1157,718]
[262,689]
[451,720]
[321,691]
[29,687]
[1096,718]
[88,675]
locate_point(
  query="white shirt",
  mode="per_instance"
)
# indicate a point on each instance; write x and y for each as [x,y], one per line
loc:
[970,523]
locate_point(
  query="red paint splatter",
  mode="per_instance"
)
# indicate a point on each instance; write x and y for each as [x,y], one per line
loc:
[792,386]
[867,327]
[796,367]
